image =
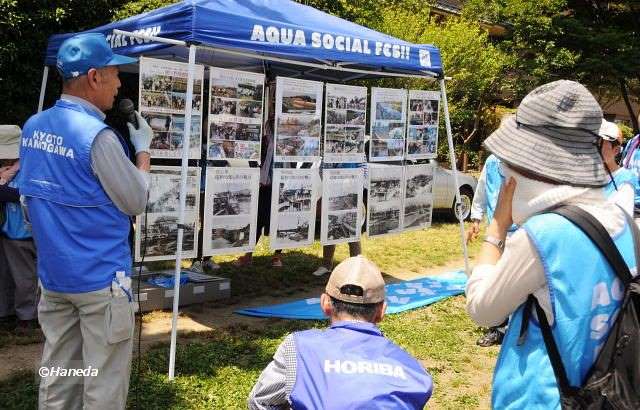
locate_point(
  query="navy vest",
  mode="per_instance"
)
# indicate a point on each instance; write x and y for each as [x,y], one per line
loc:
[585,297]
[351,365]
[81,236]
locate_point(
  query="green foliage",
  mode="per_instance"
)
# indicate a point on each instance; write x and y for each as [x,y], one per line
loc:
[135,7]
[25,26]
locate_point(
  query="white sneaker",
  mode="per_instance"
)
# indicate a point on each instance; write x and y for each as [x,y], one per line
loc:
[321,271]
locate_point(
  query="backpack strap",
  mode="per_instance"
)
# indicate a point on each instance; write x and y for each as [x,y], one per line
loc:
[602,240]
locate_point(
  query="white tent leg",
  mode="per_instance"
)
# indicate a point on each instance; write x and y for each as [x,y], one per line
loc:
[452,156]
[186,147]
[43,87]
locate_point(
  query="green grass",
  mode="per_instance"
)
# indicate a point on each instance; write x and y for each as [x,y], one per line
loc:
[217,369]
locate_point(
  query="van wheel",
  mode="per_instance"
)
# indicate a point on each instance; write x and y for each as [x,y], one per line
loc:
[464,209]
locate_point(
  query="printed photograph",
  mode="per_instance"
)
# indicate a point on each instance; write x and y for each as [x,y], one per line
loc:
[343,202]
[382,189]
[355,117]
[162,235]
[230,236]
[223,130]
[221,106]
[156,100]
[298,127]
[248,91]
[157,82]
[292,229]
[416,214]
[232,202]
[336,116]
[224,87]
[383,220]
[221,149]
[419,185]
[248,132]
[357,103]
[294,196]
[164,192]
[342,226]
[296,102]
[389,110]
[250,109]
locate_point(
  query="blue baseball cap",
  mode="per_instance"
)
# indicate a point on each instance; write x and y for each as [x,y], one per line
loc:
[82,52]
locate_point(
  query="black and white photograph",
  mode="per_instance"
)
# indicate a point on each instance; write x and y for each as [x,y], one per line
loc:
[162,91]
[388,123]
[386,195]
[230,235]
[293,230]
[235,114]
[418,196]
[383,219]
[422,132]
[342,205]
[342,226]
[345,118]
[164,200]
[159,239]
[293,207]
[298,120]
[230,210]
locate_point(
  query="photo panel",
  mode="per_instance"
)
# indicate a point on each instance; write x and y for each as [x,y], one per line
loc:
[386,194]
[388,124]
[162,103]
[235,114]
[230,210]
[158,239]
[345,119]
[342,217]
[422,128]
[418,196]
[298,120]
[293,208]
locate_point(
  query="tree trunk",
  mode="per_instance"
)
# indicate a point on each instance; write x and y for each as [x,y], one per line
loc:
[627,102]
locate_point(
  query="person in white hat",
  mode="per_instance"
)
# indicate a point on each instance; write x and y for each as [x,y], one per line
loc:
[18,279]
[350,365]
[622,188]
[550,154]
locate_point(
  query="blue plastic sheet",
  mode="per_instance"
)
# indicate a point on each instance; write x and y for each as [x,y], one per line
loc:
[401,296]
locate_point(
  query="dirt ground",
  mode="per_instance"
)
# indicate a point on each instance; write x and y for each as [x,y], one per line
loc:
[157,325]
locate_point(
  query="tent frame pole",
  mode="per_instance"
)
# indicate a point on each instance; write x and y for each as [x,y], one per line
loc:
[186,150]
[43,87]
[452,158]
[187,138]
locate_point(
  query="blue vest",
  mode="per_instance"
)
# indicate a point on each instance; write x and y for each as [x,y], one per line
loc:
[14,226]
[585,297]
[493,182]
[351,365]
[624,176]
[81,236]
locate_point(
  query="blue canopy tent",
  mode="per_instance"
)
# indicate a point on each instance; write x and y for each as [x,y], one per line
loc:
[283,36]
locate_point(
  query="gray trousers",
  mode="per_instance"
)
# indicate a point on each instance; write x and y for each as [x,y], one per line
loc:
[92,330]
[18,279]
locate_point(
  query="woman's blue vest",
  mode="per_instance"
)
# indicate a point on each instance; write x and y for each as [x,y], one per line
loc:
[81,236]
[351,365]
[624,176]
[585,297]
[14,226]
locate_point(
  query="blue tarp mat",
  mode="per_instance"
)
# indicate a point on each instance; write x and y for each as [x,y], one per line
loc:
[279,28]
[401,296]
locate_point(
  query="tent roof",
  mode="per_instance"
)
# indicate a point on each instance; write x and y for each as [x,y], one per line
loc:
[282,29]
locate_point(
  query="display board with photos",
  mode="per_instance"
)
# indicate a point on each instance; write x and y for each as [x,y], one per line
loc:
[341,210]
[422,128]
[345,119]
[418,196]
[230,210]
[384,212]
[235,114]
[158,239]
[162,103]
[293,207]
[297,120]
[388,123]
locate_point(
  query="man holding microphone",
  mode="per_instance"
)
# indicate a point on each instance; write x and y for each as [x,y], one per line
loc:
[80,189]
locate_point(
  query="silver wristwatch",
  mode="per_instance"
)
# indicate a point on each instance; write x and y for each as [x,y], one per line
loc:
[498,243]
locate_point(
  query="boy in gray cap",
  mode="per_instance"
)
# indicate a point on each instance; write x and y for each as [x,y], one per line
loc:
[350,364]
[550,154]
[18,280]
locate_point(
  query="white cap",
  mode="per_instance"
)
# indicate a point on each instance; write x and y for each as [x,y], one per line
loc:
[609,131]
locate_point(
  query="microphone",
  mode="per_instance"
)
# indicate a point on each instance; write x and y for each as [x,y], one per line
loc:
[126,108]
